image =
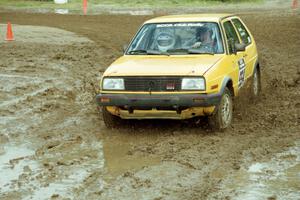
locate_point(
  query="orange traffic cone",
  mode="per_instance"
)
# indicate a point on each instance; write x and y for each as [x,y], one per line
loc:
[9,33]
[84,7]
[295,4]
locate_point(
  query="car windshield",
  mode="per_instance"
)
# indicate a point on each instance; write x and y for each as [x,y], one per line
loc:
[177,38]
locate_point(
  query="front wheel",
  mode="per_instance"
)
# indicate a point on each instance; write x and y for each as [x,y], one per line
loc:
[222,116]
[111,121]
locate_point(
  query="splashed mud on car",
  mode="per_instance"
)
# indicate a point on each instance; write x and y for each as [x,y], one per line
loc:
[53,141]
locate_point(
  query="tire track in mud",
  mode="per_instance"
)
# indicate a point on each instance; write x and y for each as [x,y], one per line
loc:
[260,130]
[47,97]
[186,161]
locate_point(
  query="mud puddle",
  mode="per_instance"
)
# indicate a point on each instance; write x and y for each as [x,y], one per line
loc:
[131,12]
[276,179]
[42,34]
[48,81]
[24,174]
[49,126]
[61,11]
[14,160]
[119,156]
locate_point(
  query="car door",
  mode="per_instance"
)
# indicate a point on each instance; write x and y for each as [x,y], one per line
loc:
[250,55]
[237,58]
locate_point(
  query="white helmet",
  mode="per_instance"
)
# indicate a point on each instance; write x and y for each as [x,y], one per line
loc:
[165,41]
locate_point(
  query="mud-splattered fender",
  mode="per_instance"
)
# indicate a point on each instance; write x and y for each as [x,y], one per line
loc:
[227,81]
[256,64]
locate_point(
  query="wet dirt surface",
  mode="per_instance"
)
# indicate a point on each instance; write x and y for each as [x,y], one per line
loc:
[55,145]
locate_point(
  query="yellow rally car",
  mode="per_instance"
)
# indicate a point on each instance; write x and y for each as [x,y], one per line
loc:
[180,67]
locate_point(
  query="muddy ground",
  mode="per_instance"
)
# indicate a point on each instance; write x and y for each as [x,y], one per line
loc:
[55,145]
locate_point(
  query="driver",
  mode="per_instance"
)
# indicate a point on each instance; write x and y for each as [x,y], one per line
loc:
[203,39]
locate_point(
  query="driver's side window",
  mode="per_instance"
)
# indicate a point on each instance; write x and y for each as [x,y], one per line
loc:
[231,35]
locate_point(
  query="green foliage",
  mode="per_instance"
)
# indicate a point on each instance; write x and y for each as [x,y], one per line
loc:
[77,4]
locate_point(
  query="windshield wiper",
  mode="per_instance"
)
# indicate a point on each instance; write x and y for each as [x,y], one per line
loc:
[155,52]
[138,51]
[147,52]
[177,50]
[189,51]
[197,51]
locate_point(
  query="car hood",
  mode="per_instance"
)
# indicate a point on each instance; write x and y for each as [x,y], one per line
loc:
[162,65]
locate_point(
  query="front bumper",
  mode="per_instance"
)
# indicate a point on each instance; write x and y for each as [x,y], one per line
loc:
[158,100]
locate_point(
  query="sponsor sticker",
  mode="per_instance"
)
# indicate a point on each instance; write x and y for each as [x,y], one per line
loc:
[170,86]
[180,25]
[242,69]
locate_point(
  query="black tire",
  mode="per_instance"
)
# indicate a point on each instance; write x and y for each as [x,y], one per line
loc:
[111,121]
[255,88]
[222,116]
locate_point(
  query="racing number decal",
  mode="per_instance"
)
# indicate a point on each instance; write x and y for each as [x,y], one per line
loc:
[242,67]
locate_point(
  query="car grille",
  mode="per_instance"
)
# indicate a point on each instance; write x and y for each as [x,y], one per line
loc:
[152,83]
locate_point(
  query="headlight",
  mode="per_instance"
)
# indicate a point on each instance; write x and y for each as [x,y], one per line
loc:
[193,84]
[113,84]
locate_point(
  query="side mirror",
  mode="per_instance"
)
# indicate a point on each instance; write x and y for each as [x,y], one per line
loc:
[240,47]
[125,46]
[236,47]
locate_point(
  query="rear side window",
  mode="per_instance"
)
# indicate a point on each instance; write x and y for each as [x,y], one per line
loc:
[242,31]
[230,34]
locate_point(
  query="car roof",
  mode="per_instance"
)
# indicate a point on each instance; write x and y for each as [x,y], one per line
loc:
[211,17]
